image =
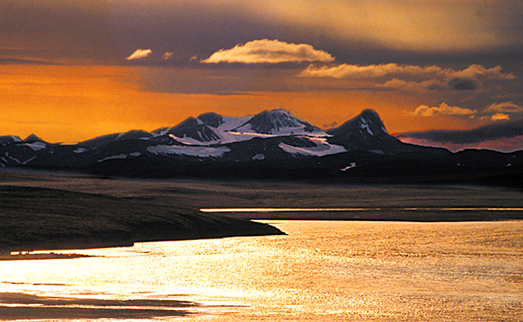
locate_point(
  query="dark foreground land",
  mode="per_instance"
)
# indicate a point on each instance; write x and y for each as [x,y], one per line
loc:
[49,211]
[46,219]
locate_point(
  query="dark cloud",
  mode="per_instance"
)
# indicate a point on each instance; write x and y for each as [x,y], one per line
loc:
[463,84]
[111,30]
[485,133]
[17,61]
[59,29]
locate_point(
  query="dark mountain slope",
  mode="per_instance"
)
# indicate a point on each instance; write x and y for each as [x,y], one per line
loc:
[366,132]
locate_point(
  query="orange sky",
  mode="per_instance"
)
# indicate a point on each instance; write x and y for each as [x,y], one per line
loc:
[74,103]
[71,70]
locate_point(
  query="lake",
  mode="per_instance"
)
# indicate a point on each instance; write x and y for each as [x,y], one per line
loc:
[323,270]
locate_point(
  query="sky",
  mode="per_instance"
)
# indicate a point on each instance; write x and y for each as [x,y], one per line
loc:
[439,72]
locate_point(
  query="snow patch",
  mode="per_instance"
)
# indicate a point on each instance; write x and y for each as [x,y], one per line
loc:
[319,150]
[190,141]
[376,151]
[29,160]
[350,166]
[36,146]
[230,123]
[135,154]
[15,159]
[114,157]
[197,151]
[259,156]
[79,150]
[365,126]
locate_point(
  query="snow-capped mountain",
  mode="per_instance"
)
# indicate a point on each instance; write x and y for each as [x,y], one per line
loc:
[366,132]
[276,122]
[270,144]
[212,128]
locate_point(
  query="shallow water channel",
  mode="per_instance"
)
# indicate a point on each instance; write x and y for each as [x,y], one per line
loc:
[323,270]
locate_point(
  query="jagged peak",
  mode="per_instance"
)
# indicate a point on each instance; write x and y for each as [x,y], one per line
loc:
[368,121]
[32,138]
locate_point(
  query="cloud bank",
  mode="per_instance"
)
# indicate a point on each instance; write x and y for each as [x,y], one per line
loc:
[266,51]
[411,77]
[505,107]
[443,109]
[494,112]
[506,136]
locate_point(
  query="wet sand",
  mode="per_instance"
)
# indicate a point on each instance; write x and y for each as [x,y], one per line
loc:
[20,306]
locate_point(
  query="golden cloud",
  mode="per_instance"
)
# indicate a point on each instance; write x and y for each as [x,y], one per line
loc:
[374,71]
[505,107]
[410,77]
[167,55]
[431,84]
[444,110]
[139,54]
[370,71]
[500,117]
[270,52]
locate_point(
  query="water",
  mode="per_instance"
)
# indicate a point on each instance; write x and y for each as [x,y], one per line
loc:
[323,270]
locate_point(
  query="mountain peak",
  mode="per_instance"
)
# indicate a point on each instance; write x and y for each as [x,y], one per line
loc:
[369,114]
[367,123]
[33,138]
[277,121]
[366,132]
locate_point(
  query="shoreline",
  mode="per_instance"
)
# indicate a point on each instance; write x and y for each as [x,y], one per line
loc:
[122,212]
[50,219]
[380,214]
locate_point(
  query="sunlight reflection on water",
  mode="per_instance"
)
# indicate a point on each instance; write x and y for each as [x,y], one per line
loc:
[330,271]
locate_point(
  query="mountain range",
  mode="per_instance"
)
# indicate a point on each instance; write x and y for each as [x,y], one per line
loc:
[270,145]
